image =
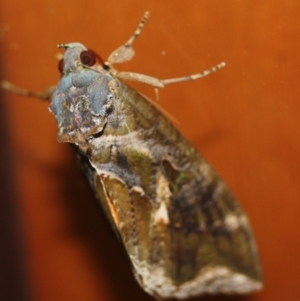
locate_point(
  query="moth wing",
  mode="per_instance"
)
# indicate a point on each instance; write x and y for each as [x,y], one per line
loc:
[183,230]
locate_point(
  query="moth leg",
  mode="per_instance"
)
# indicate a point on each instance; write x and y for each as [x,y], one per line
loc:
[160,83]
[126,52]
[146,79]
[193,76]
[44,95]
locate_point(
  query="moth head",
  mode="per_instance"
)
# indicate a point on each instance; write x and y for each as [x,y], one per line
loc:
[82,100]
[77,58]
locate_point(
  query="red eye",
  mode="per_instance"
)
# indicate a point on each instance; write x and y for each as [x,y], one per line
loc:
[88,58]
[61,65]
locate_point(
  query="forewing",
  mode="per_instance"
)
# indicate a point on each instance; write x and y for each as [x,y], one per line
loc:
[182,228]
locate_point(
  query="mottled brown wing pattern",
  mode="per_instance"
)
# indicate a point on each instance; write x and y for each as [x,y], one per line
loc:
[175,216]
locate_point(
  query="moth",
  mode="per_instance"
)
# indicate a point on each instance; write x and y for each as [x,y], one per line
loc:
[183,230]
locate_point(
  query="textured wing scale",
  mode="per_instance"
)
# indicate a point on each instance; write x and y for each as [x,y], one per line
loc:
[183,230]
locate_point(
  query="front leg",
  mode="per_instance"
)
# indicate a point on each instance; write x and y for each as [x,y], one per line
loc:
[44,95]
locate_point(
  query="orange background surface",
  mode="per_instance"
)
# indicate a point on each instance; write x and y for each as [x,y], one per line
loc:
[244,119]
